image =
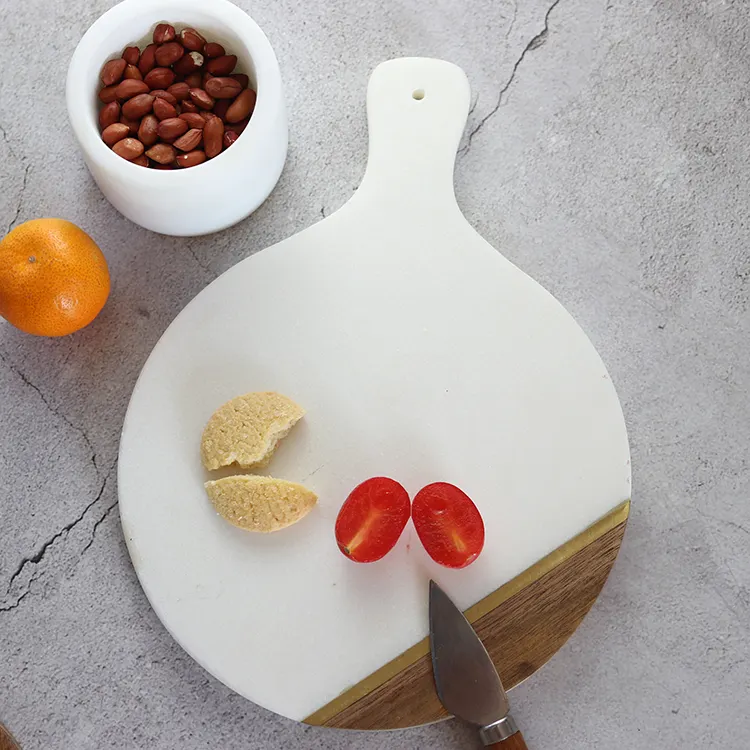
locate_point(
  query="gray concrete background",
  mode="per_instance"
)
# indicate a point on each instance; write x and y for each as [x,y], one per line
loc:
[609,159]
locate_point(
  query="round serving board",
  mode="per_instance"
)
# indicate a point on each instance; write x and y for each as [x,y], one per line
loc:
[419,353]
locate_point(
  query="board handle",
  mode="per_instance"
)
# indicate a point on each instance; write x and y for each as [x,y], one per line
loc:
[514,742]
[416,112]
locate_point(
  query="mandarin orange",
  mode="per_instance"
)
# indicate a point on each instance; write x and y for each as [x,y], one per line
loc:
[54,279]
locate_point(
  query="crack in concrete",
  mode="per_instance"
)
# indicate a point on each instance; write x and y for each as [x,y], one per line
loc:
[37,558]
[6,139]
[323,211]
[737,526]
[536,42]
[740,592]
[26,170]
[21,194]
[206,268]
[97,524]
[18,601]
[512,20]
[52,409]
[723,521]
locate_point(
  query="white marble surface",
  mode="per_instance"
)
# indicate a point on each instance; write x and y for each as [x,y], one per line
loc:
[607,157]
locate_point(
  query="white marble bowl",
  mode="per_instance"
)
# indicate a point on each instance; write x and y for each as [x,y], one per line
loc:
[219,192]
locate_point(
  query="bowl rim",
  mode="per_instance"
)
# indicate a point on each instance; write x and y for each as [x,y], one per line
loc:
[258,47]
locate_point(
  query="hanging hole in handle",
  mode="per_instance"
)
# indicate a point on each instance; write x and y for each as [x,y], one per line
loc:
[418,94]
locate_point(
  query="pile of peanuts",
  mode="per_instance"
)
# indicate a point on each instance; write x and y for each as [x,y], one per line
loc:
[175,104]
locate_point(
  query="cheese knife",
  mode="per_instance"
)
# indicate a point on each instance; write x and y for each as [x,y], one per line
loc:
[467,682]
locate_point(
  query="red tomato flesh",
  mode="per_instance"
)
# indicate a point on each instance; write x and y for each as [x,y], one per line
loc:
[372,518]
[448,524]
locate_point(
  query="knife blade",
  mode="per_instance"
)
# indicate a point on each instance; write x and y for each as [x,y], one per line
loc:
[467,682]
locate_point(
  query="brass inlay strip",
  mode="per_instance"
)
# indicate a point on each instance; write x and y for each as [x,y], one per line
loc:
[373,681]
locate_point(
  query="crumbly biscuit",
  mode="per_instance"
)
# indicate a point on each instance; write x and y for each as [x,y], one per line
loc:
[246,430]
[261,504]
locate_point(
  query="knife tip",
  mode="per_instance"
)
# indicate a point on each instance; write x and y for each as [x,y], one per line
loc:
[435,590]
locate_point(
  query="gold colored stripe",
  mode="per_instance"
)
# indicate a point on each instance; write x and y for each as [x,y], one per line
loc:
[373,681]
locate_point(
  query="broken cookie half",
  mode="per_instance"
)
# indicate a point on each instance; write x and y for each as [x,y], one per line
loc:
[246,430]
[261,504]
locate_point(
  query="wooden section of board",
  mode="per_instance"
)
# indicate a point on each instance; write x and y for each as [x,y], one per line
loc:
[522,625]
[6,740]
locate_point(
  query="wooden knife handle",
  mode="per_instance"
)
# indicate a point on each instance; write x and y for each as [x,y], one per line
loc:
[514,742]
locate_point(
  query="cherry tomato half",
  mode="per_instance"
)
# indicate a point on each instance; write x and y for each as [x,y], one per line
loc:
[372,518]
[448,524]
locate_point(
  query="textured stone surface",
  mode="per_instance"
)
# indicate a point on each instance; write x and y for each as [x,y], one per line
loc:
[606,155]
